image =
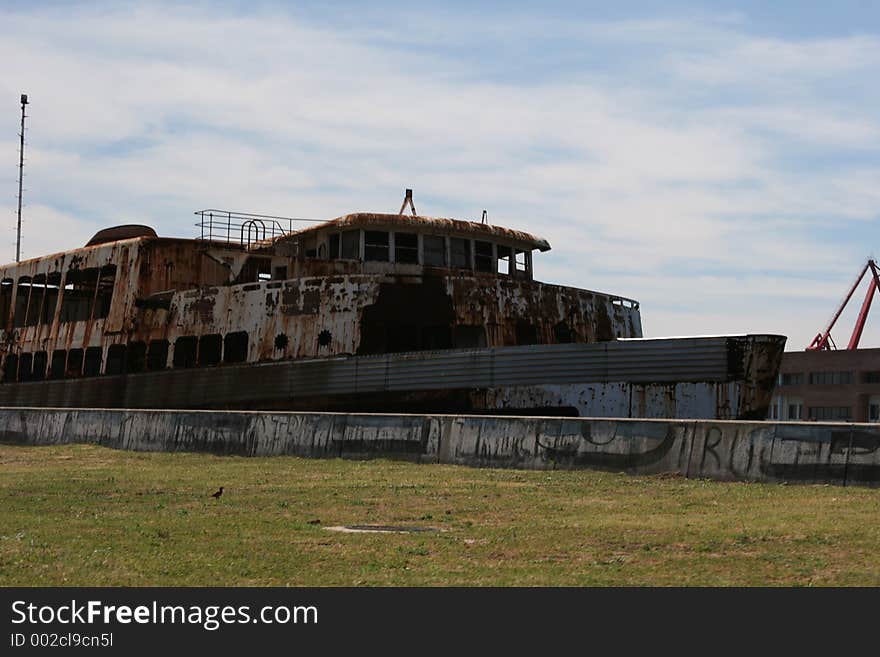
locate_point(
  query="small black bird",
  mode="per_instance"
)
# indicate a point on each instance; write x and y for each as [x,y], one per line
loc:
[217,495]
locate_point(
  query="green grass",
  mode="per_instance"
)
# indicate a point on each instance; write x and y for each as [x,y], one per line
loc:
[85,515]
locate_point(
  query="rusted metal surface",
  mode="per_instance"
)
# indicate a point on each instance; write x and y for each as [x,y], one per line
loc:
[439,224]
[189,323]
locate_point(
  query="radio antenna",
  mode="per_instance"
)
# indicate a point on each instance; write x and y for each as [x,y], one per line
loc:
[24,101]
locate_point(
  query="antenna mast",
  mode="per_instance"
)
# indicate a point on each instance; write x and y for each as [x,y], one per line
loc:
[24,101]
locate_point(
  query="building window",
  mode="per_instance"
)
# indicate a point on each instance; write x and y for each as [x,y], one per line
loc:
[376,246]
[406,248]
[794,411]
[872,377]
[792,379]
[873,412]
[434,248]
[830,413]
[831,378]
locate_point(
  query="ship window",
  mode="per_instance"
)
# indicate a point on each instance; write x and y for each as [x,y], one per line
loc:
[406,248]
[562,333]
[460,252]
[5,300]
[50,304]
[185,351]
[435,250]
[74,362]
[526,333]
[104,295]
[334,246]
[59,359]
[38,289]
[157,356]
[41,359]
[209,349]
[21,301]
[24,367]
[136,357]
[520,260]
[376,245]
[235,347]
[115,359]
[79,293]
[10,368]
[504,256]
[483,256]
[93,361]
[470,336]
[351,245]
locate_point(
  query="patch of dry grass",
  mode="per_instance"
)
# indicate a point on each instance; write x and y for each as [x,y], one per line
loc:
[86,515]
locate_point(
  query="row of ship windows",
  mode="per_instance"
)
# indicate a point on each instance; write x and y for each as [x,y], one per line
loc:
[131,358]
[379,246]
[84,294]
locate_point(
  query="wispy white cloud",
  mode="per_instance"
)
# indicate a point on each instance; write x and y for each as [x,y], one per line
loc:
[724,179]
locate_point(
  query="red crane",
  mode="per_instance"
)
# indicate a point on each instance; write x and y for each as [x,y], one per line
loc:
[823,341]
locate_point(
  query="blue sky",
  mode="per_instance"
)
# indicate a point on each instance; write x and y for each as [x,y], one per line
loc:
[718,162]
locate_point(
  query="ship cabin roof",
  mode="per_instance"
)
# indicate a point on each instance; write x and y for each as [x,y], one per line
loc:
[420,224]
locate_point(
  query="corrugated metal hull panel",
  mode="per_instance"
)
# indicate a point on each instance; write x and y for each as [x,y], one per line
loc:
[657,363]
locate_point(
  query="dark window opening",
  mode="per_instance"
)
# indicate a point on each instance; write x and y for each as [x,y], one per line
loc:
[281,342]
[434,248]
[436,337]
[104,293]
[115,359]
[254,270]
[526,333]
[74,363]
[406,248]
[235,347]
[41,360]
[157,355]
[376,246]
[59,361]
[467,336]
[78,295]
[280,273]
[10,368]
[351,245]
[38,291]
[324,338]
[185,351]
[334,246]
[872,377]
[562,333]
[483,256]
[136,357]
[50,303]
[402,337]
[25,367]
[793,379]
[92,366]
[210,347]
[460,252]
[6,286]
[22,295]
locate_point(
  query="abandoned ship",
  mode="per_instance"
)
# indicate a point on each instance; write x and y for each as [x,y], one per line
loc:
[366,312]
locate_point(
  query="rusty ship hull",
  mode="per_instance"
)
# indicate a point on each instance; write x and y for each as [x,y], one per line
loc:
[365,312]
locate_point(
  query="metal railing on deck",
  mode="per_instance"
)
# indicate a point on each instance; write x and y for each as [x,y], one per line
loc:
[244,228]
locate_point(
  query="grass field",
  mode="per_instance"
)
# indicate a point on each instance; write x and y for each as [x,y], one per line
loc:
[85,515]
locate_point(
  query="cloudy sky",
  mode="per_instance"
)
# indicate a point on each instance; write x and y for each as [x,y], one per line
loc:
[718,161]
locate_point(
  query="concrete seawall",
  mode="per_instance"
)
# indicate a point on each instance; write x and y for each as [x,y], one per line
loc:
[832,453]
